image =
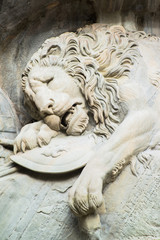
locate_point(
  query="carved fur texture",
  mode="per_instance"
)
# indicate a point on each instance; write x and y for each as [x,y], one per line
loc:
[97,57]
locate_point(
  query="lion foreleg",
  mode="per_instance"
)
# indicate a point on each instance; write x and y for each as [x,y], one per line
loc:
[132,136]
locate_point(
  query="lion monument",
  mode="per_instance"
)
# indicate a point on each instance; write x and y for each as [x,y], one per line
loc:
[101,72]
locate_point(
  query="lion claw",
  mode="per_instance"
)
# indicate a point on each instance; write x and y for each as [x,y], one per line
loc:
[15,150]
[84,198]
[23,147]
[40,143]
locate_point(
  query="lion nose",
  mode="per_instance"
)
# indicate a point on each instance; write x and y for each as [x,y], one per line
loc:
[47,109]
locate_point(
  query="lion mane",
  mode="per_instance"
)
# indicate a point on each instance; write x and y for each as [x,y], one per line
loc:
[97,57]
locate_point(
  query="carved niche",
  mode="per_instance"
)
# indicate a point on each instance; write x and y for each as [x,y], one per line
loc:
[95,96]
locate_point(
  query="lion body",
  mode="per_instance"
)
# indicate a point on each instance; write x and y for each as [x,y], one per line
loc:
[118,74]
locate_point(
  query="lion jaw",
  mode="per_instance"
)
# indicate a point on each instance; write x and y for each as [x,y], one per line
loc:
[77,121]
[74,121]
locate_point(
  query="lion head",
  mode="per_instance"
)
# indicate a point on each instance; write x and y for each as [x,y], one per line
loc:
[77,73]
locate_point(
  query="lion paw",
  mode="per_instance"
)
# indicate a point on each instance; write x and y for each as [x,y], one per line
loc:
[45,135]
[33,135]
[85,197]
[26,139]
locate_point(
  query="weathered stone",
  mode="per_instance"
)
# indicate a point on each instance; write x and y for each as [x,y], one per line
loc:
[35,206]
[24,25]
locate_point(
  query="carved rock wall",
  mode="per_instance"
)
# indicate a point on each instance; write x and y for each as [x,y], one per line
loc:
[24,25]
[140,15]
[34,206]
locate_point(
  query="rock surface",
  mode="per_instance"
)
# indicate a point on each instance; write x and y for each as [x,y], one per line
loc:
[24,26]
[34,206]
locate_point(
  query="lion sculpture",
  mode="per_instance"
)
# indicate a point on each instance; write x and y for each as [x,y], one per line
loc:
[100,72]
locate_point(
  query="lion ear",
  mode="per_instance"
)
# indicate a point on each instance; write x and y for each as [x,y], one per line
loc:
[54,50]
[50,48]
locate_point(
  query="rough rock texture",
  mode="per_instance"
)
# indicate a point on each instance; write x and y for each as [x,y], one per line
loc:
[34,206]
[133,210]
[142,15]
[24,25]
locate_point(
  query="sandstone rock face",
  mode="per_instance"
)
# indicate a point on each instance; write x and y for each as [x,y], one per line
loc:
[34,205]
[24,25]
[134,213]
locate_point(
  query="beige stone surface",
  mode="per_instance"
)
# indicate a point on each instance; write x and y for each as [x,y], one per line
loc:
[25,25]
[103,80]
[35,206]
